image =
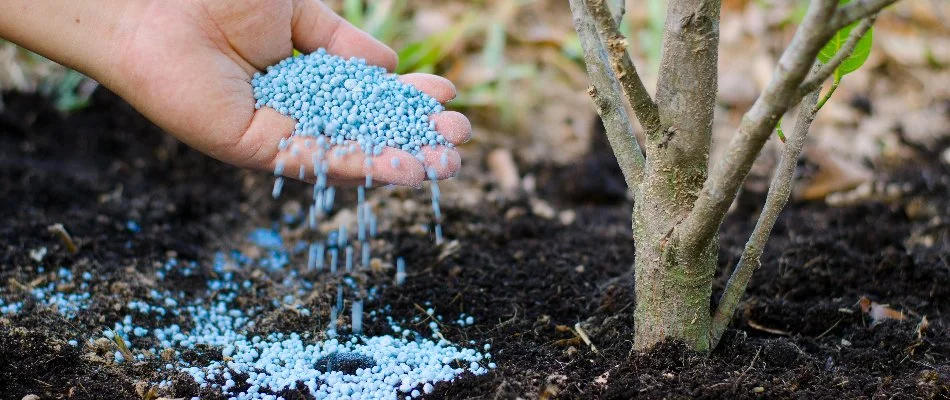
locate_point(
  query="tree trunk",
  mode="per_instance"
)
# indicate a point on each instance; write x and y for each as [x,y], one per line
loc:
[673,287]
[673,278]
[677,211]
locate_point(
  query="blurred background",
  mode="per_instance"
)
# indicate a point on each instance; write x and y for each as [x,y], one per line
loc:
[519,70]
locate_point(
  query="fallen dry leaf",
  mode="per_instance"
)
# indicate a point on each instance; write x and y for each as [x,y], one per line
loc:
[880,312]
[835,174]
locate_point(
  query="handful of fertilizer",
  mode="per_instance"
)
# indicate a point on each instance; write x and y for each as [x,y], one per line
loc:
[348,101]
[345,105]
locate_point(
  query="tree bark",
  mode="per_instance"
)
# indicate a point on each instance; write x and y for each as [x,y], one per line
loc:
[623,68]
[605,91]
[779,191]
[678,208]
[757,125]
[673,287]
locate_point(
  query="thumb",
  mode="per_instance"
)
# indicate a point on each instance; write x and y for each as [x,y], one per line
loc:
[315,25]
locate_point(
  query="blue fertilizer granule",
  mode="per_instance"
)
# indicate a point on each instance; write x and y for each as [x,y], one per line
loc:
[346,101]
[266,238]
[257,365]
[341,106]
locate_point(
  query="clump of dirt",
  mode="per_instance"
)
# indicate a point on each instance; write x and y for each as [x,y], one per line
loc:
[531,283]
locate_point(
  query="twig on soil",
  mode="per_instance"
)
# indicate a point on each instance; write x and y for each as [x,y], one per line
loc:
[448,250]
[124,348]
[510,321]
[15,283]
[457,297]
[60,232]
[755,325]
[43,383]
[828,330]
[426,312]
[746,371]
[583,335]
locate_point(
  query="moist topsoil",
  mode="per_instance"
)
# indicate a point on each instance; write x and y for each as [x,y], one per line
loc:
[532,283]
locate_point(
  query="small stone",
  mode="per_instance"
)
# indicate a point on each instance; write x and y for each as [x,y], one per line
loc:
[37,255]
[514,212]
[567,217]
[542,209]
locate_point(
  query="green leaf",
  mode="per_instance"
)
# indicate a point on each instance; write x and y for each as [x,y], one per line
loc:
[387,20]
[423,55]
[857,58]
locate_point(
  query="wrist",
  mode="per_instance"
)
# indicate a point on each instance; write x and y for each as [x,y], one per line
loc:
[127,19]
[88,36]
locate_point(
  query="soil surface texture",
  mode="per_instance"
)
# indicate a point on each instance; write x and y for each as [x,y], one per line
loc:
[850,302]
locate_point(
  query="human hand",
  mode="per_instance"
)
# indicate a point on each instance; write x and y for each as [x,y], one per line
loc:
[187,65]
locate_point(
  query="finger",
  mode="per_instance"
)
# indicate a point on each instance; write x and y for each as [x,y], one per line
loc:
[315,25]
[347,163]
[439,88]
[443,161]
[453,125]
[257,147]
[352,183]
[407,171]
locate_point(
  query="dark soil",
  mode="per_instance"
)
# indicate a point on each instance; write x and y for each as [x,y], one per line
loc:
[527,280]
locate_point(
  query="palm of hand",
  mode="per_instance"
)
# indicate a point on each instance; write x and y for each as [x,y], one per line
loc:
[190,63]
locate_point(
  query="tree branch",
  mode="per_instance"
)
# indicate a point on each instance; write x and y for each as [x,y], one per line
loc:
[623,67]
[779,191]
[722,185]
[618,10]
[817,77]
[854,11]
[605,90]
